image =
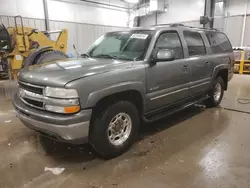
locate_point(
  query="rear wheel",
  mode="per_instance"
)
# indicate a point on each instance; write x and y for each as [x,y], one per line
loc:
[216,94]
[114,129]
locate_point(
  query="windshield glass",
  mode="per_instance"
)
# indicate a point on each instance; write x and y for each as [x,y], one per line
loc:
[131,45]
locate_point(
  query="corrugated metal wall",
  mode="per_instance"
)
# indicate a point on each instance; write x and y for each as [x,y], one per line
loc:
[233,28]
[247,31]
[81,35]
[28,22]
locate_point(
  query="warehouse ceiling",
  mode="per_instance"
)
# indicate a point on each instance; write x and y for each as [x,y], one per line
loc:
[112,3]
[115,3]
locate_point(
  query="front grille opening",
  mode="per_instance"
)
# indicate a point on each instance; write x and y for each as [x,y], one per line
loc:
[34,103]
[31,89]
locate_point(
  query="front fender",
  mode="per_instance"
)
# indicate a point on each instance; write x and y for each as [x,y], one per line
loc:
[96,96]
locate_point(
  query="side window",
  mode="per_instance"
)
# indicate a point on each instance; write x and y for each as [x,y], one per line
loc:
[170,40]
[195,43]
[219,42]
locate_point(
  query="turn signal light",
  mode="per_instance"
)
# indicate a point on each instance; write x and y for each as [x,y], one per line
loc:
[62,109]
[71,109]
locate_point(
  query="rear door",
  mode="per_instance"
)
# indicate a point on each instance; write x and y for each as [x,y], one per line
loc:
[198,62]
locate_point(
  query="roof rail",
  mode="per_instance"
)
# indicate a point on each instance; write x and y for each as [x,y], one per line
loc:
[177,25]
[182,25]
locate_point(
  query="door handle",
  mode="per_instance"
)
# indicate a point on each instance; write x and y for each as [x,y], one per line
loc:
[185,66]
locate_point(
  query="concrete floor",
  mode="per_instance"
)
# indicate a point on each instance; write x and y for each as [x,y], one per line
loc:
[194,148]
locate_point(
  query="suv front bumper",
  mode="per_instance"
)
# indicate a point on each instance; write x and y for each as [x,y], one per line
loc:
[66,128]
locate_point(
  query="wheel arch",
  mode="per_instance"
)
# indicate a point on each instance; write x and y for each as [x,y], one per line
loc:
[223,72]
[129,91]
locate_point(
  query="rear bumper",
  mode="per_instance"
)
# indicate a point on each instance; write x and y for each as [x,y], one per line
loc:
[66,128]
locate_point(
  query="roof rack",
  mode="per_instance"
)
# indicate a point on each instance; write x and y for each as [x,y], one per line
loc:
[182,25]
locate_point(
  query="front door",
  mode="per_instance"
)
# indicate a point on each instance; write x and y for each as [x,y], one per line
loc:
[167,81]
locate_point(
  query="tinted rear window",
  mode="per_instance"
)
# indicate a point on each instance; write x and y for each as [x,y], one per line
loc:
[195,43]
[219,42]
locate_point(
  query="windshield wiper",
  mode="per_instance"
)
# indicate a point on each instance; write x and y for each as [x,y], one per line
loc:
[85,55]
[105,56]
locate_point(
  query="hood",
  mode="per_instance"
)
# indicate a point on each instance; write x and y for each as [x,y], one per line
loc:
[59,73]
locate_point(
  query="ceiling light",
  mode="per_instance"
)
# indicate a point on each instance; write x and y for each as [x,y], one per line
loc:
[132,1]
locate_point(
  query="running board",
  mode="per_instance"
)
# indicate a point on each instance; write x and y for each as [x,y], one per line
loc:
[159,114]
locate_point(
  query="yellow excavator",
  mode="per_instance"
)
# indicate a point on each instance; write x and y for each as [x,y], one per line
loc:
[23,46]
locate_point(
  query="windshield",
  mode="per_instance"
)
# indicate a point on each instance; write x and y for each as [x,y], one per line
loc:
[131,45]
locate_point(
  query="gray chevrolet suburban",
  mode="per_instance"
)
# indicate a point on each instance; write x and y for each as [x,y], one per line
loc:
[125,78]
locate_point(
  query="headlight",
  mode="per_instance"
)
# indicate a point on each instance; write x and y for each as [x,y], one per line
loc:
[60,93]
[62,100]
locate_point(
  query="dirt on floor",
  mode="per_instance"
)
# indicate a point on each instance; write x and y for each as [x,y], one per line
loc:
[197,147]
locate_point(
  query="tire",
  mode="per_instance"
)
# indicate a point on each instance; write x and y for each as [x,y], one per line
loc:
[51,55]
[46,145]
[100,136]
[215,100]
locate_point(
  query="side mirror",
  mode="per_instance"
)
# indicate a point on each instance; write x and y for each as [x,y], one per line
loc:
[165,55]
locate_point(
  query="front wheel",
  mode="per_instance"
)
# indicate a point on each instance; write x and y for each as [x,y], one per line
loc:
[216,94]
[114,129]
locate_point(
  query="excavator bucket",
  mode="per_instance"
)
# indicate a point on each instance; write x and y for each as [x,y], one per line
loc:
[5,40]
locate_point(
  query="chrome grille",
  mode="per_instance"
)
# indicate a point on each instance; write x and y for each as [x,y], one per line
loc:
[34,102]
[31,95]
[32,88]
[34,96]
